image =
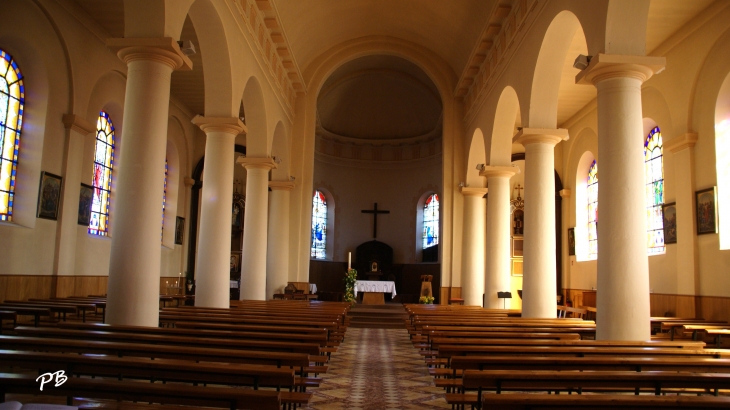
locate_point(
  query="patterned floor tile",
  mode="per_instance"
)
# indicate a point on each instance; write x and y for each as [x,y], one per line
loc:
[384,371]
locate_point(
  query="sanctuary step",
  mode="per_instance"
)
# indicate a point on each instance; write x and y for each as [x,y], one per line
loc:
[388,316]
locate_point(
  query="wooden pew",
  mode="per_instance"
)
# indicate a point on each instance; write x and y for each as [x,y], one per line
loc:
[279,359]
[80,306]
[601,401]
[546,380]
[59,309]
[147,392]
[8,315]
[246,344]
[20,310]
[318,336]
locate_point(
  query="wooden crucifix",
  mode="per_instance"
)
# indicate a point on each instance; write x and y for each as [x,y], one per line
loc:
[375,213]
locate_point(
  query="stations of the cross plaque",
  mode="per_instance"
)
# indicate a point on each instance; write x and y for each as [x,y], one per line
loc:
[375,213]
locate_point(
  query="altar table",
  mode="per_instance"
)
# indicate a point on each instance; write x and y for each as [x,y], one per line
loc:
[373,291]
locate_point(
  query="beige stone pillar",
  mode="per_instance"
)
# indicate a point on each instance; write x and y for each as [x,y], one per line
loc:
[134,263]
[682,147]
[497,275]
[277,253]
[255,233]
[214,244]
[472,271]
[538,282]
[77,129]
[623,266]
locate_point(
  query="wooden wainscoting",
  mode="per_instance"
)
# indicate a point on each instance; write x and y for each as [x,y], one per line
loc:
[662,304]
[23,287]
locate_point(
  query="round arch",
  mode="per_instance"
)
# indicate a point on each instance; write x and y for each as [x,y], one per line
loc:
[257,136]
[505,120]
[476,157]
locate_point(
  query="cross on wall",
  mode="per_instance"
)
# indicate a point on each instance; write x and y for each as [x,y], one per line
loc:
[375,213]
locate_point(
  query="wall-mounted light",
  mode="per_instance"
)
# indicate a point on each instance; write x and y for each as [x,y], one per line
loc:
[292,178]
[581,62]
[480,167]
[276,159]
[462,184]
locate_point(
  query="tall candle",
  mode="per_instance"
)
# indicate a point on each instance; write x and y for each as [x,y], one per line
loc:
[349,260]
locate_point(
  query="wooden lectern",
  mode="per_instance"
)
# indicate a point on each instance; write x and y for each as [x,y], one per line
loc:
[426,289]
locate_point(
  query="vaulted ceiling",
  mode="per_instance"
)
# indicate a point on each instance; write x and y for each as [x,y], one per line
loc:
[449,28]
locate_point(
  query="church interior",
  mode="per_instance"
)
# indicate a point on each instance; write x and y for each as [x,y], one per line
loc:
[216,169]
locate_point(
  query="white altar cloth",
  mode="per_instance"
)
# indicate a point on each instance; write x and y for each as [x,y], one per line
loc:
[384,286]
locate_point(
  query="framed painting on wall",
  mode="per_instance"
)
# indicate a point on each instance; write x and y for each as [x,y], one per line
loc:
[517,267]
[706,203]
[49,196]
[85,195]
[669,215]
[179,230]
[517,245]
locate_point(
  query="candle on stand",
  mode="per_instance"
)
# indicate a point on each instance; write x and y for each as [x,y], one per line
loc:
[349,260]
[178,279]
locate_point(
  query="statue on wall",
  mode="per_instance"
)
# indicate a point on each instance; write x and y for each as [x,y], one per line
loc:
[517,209]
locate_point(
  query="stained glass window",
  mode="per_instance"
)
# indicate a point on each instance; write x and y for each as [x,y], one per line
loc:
[431,222]
[102,179]
[319,225]
[654,171]
[592,188]
[164,196]
[12,99]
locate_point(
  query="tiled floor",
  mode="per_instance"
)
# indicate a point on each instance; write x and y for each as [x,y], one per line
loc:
[377,369]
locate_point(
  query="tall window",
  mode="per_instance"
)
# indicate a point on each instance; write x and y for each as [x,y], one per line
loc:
[592,188]
[102,180]
[164,195]
[431,222]
[653,166]
[12,99]
[319,225]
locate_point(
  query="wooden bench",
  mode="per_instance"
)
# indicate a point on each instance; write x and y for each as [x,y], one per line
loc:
[146,392]
[80,306]
[59,309]
[8,315]
[279,359]
[36,312]
[245,344]
[601,402]
[545,380]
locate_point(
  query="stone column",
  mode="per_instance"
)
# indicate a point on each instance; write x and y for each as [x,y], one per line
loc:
[134,263]
[538,281]
[214,245]
[682,148]
[253,259]
[472,272]
[277,254]
[497,277]
[623,266]
[77,129]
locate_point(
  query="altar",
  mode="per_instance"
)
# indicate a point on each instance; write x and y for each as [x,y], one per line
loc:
[373,291]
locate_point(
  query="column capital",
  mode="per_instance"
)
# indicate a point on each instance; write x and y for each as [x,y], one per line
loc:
[78,124]
[466,191]
[528,136]
[256,163]
[605,66]
[229,125]
[281,185]
[492,171]
[164,50]
[686,140]
[564,193]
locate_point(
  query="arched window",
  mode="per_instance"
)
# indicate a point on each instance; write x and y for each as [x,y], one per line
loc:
[431,222]
[12,99]
[164,195]
[102,179]
[592,188]
[319,226]
[654,171]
